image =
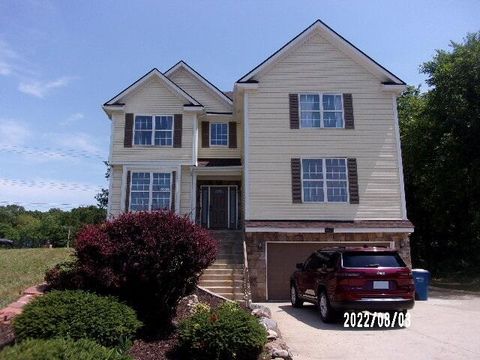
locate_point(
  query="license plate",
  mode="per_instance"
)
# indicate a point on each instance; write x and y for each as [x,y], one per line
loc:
[380,285]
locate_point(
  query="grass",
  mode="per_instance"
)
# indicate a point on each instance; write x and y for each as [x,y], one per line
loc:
[22,268]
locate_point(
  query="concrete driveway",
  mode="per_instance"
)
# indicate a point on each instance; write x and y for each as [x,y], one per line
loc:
[447,326]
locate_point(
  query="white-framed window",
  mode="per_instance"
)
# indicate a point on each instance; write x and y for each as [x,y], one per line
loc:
[324,180]
[321,110]
[150,191]
[153,130]
[218,134]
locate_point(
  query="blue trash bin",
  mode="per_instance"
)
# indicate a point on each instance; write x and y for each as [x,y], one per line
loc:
[421,277]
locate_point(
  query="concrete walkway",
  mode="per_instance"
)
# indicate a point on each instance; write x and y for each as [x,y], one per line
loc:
[447,326]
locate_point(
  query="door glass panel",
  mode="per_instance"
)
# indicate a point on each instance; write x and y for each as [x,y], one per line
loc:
[233,207]
[204,209]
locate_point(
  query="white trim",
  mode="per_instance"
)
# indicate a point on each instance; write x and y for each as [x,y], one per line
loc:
[333,242]
[109,109]
[193,109]
[396,88]
[210,123]
[324,173]
[178,184]
[193,197]
[182,64]
[195,141]
[247,86]
[110,192]
[147,164]
[233,170]
[321,110]
[336,40]
[154,72]
[123,189]
[152,144]
[399,158]
[246,149]
[337,230]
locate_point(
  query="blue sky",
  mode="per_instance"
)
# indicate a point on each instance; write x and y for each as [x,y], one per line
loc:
[60,60]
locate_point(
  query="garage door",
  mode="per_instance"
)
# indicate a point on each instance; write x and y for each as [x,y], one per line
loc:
[281,260]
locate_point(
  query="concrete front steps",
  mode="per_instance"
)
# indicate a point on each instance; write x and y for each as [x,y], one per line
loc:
[225,276]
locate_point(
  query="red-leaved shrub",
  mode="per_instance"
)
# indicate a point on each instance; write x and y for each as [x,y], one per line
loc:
[150,259]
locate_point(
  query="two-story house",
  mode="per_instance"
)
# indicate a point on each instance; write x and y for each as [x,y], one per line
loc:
[304,153]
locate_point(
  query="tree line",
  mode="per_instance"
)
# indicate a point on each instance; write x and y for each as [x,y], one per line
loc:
[27,228]
[440,132]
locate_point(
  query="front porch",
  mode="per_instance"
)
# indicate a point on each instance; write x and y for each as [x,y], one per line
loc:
[217,189]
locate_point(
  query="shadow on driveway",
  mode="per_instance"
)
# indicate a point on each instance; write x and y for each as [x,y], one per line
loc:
[308,314]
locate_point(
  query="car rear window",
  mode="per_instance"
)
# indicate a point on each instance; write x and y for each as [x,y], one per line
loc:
[372,259]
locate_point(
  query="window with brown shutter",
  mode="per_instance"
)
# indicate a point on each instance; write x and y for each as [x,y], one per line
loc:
[205,134]
[353,181]
[232,134]
[173,187]
[177,130]
[296,181]
[127,193]
[294,118]
[128,131]
[348,111]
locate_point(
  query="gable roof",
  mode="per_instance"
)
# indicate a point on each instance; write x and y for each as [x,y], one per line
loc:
[152,74]
[337,40]
[182,64]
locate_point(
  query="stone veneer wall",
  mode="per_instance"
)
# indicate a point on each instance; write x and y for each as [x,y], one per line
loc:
[255,243]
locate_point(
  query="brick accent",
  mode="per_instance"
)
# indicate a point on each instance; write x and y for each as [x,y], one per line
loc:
[256,250]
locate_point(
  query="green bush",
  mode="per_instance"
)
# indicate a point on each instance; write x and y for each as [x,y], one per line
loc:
[77,315]
[60,349]
[225,332]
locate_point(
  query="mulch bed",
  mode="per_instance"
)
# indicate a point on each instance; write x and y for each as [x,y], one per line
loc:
[161,348]
[164,348]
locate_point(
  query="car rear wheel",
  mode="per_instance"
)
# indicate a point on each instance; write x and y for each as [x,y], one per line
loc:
[294,299]
[327,314]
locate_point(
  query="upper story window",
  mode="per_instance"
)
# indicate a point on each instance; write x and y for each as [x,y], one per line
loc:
[153,130]
[324,180]
[321,110]
[150,191]
[219,134]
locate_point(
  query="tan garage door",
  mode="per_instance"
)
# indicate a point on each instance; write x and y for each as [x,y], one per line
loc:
[281,260]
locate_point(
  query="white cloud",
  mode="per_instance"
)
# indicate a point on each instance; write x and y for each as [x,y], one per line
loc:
[8,57]
[79,142]
[71,119]
[13,132]
[40,89]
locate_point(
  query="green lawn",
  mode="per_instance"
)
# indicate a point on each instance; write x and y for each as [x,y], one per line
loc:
[22,268]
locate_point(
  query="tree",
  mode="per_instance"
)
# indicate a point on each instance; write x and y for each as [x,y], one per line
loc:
[441,150]
[102,196]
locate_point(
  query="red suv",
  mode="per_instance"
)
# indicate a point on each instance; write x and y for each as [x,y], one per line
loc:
[342,279]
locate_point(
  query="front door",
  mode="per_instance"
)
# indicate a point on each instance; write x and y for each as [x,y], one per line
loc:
[219,207]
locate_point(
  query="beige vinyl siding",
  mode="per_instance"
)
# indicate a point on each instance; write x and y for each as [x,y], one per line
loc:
[152,98]
[219,151]
[185,191]
[199,91]
[316,66]
[115,195]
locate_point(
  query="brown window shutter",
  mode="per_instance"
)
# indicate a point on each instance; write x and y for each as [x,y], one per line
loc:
[353,181]
[128,135]
[348,111]
[232,134]
[205,134]
[174,177]
[296,181]
[127,192]
[293,101]
[177,130]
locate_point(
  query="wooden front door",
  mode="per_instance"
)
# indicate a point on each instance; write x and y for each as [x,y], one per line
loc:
[219,207]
